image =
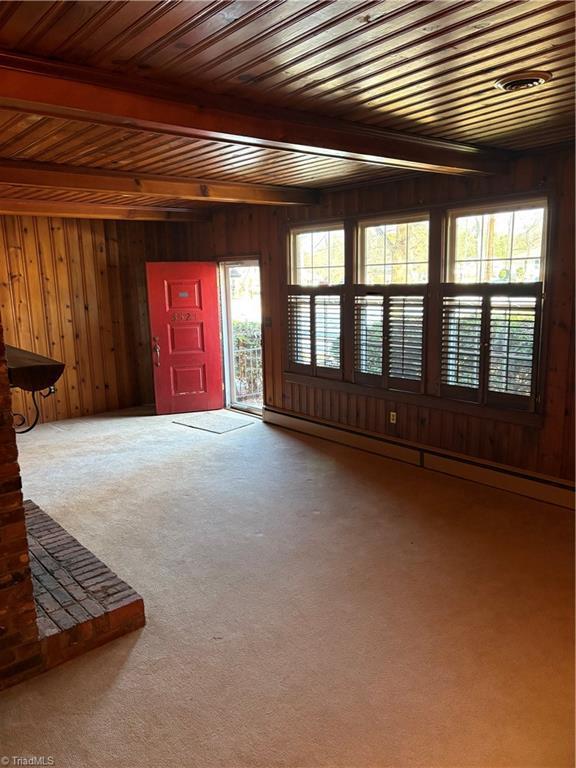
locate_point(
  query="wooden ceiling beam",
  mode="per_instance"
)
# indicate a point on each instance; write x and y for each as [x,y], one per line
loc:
[65,210]
[52,176]
[41,87]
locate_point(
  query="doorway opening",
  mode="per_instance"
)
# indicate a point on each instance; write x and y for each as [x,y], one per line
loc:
[242,326]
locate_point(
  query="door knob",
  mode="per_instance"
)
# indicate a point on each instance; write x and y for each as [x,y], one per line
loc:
[156,350]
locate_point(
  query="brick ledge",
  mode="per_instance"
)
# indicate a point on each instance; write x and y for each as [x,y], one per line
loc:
[80,603]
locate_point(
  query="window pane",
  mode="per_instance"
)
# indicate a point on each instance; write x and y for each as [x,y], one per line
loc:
[374,238]
[498,247]
[393,253]
[318,257]
[461,332]
[369,315]
[320,249]
[468,238]
[467,272]
[512,329]
[320,276]
[396,243]
[336,275]
[496,271]
[327,330]
[417,273]
[375,275]
[304,276]
[304,250]
[299,337]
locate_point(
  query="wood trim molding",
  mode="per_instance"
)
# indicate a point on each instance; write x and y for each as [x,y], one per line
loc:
[550,493]
[31,85]
[54,176]
[343,436]
[548,490]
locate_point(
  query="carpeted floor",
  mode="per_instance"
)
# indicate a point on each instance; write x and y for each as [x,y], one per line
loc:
[309,606]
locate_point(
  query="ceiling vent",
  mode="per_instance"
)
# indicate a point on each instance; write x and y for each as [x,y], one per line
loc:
[521,81]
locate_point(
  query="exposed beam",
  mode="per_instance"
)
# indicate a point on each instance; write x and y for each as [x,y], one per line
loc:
[53,176]
[33,85]
[9,207]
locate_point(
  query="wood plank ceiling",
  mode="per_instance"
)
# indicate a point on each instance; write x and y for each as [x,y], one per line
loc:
[417,67]
[84,144]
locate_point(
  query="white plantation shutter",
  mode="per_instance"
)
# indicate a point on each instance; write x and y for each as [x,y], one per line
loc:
[405,337]
[389,340]
[314,335]
[327,331]
[488,348]
[512,339]
[369,334]
[299,330]
[461,341]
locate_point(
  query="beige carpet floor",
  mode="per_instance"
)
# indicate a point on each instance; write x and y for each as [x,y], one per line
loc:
[309,606]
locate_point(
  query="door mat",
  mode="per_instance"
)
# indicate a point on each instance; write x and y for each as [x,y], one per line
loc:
[214,421]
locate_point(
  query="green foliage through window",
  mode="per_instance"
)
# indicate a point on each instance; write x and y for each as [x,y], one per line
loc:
[247,337]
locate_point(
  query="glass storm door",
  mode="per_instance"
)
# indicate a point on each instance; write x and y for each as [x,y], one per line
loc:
[243,334]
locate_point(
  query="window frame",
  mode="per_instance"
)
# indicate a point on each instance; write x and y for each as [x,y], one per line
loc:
[387,290]
[483,395]
[431,391]
[388,218]
[294,289]
[311,228]
[479,209]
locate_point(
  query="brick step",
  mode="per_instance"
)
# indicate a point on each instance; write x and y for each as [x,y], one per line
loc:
[80,602]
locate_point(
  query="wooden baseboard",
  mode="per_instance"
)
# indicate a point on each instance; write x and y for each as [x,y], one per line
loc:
[335,435]
[549,490]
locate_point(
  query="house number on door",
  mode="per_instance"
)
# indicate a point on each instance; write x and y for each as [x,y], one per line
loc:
[182,316]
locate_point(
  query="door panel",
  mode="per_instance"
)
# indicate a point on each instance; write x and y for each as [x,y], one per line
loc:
[185,333]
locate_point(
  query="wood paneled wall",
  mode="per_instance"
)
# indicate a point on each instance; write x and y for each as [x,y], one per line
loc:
[75,290]
[546,448]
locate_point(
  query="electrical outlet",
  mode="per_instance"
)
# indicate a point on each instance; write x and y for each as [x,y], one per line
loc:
[392,417]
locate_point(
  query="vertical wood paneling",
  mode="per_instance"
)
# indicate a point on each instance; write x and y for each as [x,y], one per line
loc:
[119,328]
[547,449]
[63,302]
[75,291]
[54,333]
[560,338]
[79,320]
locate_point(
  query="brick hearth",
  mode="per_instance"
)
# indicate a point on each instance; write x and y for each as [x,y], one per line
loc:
[80,602]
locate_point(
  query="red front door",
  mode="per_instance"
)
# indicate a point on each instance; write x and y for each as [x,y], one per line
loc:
[185,336]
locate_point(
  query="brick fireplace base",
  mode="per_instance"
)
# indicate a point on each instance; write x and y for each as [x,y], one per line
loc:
[80,602]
